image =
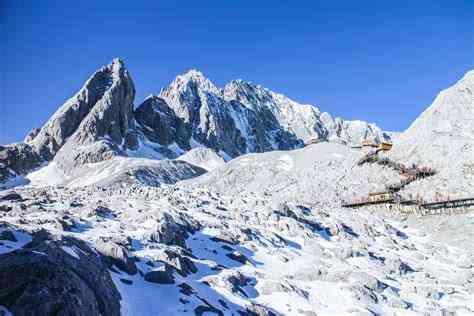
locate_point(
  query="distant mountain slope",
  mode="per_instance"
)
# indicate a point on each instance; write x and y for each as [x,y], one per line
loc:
[443,137]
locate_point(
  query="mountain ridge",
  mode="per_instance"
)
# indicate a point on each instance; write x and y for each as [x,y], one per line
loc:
[101,121]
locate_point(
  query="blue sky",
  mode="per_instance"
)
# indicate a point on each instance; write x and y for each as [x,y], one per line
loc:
[380,61]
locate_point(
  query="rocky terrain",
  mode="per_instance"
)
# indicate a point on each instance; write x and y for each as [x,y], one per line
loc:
[204,201]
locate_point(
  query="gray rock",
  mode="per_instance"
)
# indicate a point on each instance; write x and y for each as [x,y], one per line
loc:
[115,254]
[257,310]
[103,107]
[96,120]
[17,159]
[169,231]
[32,134]
[56,276]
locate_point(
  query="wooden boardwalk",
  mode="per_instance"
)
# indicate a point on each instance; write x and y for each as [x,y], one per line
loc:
[416,207]
[449,204]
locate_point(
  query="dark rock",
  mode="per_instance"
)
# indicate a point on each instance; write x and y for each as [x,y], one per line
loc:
[225,238]
[101,211]
[186,289]
[8,235]
[44,279]
[237,281]
[5,208]
[131,140]
[126,281]
[157,120]
[237,257]
[163,275]
[201,309]
[12,196]
[19,158]
[67,223]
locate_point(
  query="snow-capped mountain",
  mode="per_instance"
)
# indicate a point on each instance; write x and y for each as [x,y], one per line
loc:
[99,123]
[443,137]
[204,201]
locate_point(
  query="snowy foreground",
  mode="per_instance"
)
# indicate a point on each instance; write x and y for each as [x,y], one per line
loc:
[260,235]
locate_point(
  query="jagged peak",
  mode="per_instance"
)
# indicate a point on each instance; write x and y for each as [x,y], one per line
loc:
[190,77]
[117,62]
[193,73]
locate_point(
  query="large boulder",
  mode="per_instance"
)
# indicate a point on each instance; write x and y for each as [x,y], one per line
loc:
[116,254]
[172,231]
[57,276]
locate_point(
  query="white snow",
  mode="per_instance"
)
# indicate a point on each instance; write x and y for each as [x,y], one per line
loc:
[203,157]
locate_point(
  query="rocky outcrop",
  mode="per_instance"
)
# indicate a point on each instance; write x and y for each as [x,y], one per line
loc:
[116,254]
[89,127]
[16,159]
[157,121]
[56,276]
[32,134]
[101,133]
[171,231]
[103,106]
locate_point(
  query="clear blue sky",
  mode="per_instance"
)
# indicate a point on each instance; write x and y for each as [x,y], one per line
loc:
[380,61]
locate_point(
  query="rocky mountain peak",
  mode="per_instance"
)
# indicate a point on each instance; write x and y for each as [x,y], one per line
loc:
[99,122]
[189,82]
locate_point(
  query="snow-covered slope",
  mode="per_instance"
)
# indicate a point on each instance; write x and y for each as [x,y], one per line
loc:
[261,234]
[117,171]
[203,157]
[443,137]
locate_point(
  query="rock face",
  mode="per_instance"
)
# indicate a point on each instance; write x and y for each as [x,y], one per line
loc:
[89,127]
[243,117]
[100,134]
[157,120]
[17,158]
[56,277]
[102,108]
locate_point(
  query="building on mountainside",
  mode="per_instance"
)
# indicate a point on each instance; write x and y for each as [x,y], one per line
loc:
[380,196]
[313,141]
[385,146]
[369,143]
